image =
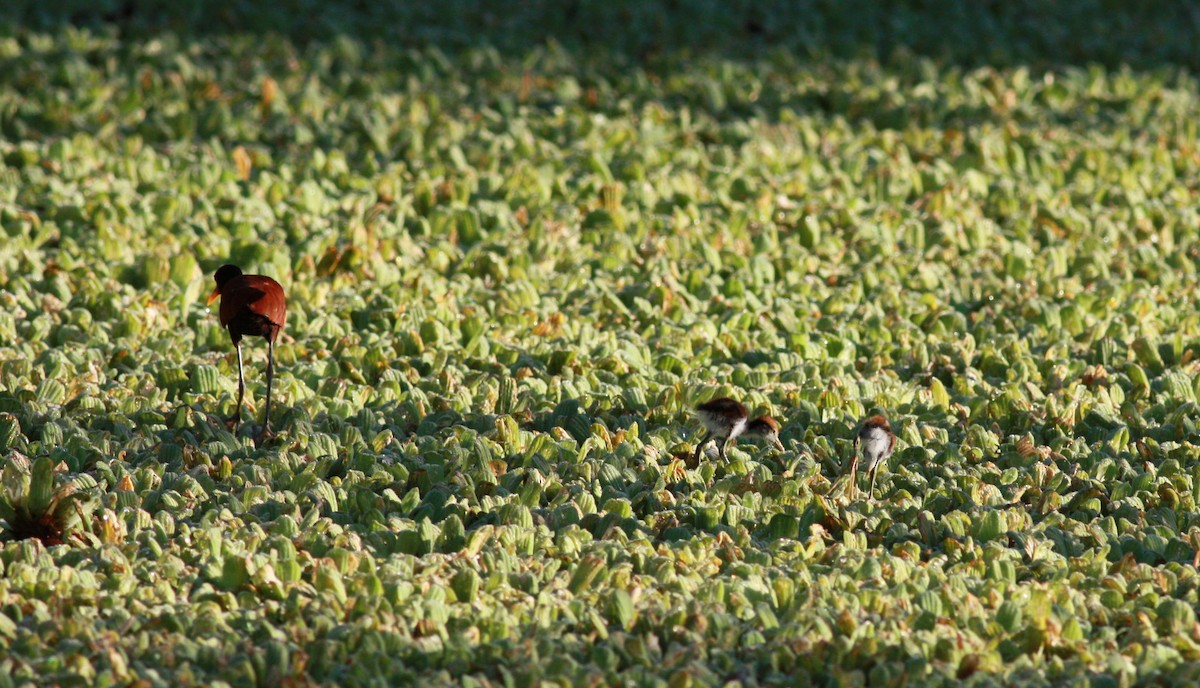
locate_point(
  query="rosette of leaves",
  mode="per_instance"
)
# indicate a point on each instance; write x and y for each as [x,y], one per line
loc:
[34,503]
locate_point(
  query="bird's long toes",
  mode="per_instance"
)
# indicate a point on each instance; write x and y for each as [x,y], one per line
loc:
[264,435]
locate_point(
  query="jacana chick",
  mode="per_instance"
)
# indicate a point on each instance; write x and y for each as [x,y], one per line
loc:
[251,306]
[876,441]
[726,419]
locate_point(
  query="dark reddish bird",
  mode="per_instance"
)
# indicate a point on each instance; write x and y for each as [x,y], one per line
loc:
[251,306]
[877,442]
[726,419]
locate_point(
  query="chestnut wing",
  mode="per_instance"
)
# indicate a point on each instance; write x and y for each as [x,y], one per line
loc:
[253,295]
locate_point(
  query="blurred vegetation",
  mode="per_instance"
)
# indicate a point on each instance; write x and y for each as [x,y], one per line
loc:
[971,34]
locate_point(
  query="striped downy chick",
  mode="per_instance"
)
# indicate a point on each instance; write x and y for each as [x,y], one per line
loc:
[726,419]
[876,441]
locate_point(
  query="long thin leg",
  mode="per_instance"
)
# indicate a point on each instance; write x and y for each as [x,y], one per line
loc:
[237,415]
[854,470]
[700,447]
[266,428]
[852,477]
[725,444]
[874,470]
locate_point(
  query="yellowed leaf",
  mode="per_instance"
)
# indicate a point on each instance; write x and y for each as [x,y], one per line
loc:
[269,89]
[242,159]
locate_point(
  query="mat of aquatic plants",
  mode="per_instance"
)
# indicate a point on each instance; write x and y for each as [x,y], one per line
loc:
[519,245]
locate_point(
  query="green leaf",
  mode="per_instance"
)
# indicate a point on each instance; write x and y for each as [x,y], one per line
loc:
[989,526]
[465,585]
[621,610]
[41,486]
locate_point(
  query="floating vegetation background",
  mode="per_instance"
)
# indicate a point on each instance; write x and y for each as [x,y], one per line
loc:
[520,242]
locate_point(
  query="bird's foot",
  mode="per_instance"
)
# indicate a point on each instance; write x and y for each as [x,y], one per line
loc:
[263,436]
[232,423]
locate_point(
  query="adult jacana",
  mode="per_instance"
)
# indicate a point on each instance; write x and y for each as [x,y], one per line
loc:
[876,442]
[725,419]
[251,306]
